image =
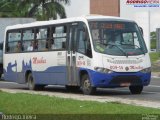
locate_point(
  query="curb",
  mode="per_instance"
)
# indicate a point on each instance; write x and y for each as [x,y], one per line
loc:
[155,75]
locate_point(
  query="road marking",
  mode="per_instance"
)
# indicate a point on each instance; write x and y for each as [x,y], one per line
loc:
[153,86]
[155,77]
[117,90]
[151,92]
[5,82]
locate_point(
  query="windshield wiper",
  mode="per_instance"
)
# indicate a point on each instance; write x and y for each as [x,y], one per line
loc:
[125,53]
[135,46]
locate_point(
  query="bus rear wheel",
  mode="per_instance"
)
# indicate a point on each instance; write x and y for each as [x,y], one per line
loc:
[136,89]
[87,88]
[31,84]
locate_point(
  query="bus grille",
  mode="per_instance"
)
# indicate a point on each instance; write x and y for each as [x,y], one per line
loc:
[133,80]
[124,61]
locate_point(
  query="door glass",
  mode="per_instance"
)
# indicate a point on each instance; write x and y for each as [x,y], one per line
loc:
[84,45]
[81,44]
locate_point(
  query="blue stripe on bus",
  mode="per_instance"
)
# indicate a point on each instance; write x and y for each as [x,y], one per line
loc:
[52,75]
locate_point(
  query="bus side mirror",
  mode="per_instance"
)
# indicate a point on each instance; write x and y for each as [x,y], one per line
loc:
[141,29]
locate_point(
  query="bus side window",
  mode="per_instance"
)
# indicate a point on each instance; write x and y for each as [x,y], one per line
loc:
[19,47]
[14,41]
[42,39]
[81,42]
[28,39]
[58,37]
[84,45]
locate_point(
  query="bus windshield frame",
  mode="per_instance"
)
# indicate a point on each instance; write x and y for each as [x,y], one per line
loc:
[117,38]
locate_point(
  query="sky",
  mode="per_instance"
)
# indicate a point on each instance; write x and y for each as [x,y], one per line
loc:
[82,7]
[131,12]
[78,8]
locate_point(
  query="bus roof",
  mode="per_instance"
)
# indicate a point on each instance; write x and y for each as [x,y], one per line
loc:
[67,20]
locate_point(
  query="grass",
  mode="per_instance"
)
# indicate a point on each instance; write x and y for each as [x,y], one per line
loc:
[153,44]
[154,56]
[21,103]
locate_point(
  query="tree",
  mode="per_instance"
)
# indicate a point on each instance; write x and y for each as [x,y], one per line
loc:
[48,9]
[40,9]
[153,40]
[13,8]
[7,8]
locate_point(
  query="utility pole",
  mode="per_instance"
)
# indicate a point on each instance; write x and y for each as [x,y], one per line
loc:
[149,40]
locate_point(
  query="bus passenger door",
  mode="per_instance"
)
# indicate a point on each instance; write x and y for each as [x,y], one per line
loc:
[71,55]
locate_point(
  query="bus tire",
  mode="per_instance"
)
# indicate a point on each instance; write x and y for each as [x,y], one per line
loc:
[136,89]
[31,83]
[87,88]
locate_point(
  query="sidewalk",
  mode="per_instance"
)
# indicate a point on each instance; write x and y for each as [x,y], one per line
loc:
[156,74]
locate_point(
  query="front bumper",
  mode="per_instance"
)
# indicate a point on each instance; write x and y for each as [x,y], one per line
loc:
[119,79]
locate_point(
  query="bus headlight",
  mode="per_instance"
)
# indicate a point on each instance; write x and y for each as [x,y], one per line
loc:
[103,70]
[147,70]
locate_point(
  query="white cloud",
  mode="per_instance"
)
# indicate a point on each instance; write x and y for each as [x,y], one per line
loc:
[78,8]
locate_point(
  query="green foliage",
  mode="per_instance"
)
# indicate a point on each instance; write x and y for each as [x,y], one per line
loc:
[40,9]
[153,35]
[155,60]
[154,56]
[153,44]
[153,40]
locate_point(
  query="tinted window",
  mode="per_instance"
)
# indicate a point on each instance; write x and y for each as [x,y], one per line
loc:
[117,38]
[14,43]
[28,39]
[58,37]
[42,38]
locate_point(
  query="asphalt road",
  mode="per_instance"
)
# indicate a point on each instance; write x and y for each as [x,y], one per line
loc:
[150,93]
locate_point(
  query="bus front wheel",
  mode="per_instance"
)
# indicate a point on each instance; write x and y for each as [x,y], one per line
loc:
[136,89]
[86,85]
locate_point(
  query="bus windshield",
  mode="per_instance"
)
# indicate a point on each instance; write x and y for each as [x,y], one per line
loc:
[117,38]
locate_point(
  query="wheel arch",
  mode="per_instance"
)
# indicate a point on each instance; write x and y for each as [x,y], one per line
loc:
[26,75]
[86,82]
[83,72]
